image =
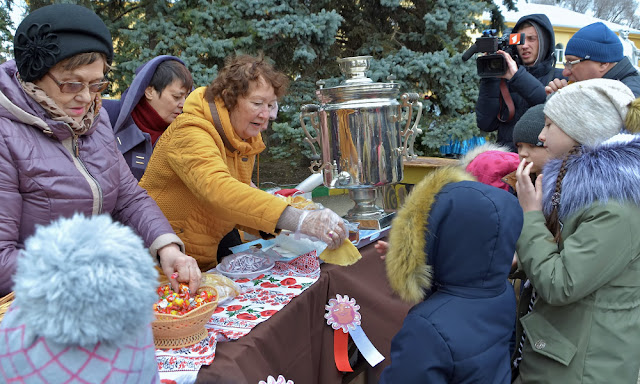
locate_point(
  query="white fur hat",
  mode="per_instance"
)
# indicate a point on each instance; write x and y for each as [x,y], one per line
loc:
[590,111]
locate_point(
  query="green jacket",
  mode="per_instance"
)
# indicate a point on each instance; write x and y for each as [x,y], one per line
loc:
[585,324]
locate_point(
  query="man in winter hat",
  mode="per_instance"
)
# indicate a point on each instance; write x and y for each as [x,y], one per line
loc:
[84,293]
[595,51]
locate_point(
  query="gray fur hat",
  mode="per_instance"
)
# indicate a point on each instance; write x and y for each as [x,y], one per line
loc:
[590,111]
[84,292]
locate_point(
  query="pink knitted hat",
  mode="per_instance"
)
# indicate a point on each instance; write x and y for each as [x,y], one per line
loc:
[491,166]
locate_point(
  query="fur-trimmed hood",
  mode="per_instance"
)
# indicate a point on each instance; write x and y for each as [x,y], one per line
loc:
[480,149]
[454,234]
[491,164]
[608,171]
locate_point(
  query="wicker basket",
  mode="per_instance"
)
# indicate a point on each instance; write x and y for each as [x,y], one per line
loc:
[179,331]
[5,303]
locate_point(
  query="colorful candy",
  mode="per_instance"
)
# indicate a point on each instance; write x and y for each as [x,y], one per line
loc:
[181,302]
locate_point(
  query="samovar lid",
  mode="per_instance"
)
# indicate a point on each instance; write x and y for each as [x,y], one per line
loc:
[356,84]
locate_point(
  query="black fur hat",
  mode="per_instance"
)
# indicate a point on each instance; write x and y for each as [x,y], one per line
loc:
[56,32]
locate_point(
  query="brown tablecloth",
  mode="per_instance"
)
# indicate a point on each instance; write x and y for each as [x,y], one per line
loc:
[297,343]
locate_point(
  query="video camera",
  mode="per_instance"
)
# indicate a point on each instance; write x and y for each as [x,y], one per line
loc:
[494,64]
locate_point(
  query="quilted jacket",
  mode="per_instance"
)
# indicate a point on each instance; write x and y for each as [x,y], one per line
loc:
[47,173]
[203,187]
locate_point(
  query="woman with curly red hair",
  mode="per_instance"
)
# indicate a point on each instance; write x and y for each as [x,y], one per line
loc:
[200,170]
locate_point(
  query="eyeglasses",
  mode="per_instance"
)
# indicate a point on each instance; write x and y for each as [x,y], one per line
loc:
[77,87]
[569,64]
[257,106]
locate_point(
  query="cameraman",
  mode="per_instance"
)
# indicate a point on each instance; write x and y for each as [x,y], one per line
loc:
[524,80]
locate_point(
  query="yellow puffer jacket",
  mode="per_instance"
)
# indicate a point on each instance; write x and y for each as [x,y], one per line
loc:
[202,187]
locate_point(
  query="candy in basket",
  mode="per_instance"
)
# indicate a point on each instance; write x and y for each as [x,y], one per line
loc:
[181,317]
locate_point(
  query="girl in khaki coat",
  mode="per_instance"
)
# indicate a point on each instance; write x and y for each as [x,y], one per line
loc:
[579,244]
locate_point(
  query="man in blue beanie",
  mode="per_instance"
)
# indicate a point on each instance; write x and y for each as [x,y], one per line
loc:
[595,51]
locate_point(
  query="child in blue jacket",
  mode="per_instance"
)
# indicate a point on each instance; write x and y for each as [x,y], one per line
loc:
[450,252]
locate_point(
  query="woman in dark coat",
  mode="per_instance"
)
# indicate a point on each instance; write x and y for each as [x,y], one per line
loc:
[145,110]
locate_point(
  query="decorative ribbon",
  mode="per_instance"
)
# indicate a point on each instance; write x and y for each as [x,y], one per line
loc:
[343,316]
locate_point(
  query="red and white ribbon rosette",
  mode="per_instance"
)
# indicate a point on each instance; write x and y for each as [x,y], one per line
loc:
[343,316]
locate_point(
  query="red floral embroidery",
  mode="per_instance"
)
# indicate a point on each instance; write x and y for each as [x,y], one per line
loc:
[246,316]
[288,281]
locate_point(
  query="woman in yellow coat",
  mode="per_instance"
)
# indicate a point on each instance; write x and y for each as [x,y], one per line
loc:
[200,171]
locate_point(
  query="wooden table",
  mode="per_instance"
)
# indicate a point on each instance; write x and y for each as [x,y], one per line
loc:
[416,169]
[393,195]
[297,343]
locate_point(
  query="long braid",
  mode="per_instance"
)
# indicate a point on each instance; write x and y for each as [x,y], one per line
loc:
[553,220]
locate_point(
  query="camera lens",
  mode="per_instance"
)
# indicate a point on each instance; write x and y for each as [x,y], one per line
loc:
[491,65]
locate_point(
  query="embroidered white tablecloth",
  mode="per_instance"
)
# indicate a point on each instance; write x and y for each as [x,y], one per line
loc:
[259,299]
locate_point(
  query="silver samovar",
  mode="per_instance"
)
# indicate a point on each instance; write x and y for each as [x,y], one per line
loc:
[362,138]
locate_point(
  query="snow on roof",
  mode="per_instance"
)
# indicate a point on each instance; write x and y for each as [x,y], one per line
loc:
[559,17]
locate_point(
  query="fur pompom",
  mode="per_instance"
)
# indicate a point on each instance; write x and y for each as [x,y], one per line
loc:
[80,281]
[632,121]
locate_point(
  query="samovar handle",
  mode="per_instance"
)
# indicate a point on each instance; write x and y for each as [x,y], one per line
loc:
[311,111]
[410,133]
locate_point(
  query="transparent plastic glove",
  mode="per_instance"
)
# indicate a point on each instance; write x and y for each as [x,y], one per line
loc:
[325,225]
